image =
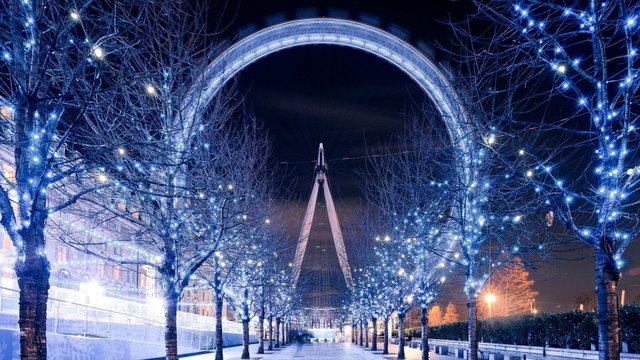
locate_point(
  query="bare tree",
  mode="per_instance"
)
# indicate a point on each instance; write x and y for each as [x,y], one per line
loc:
[286,300]
[577,125]
[158,182]
[461,205]
[234,222]
[247,289]
[183,212]
[263,281]
[239,297]
[54,56]
[450,314]
[79,85]
[391,274]
[512,288]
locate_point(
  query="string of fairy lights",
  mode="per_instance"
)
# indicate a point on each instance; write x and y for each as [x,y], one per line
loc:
[400,274]
[608,109]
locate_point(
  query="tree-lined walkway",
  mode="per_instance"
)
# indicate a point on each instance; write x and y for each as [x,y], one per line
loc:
[319,351]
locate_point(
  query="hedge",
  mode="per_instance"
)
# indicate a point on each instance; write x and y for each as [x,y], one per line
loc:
[574,330]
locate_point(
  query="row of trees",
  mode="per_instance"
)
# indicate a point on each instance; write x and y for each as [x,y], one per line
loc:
[434,217]
[551,90]
[570,76]
[93,100]
[438,316]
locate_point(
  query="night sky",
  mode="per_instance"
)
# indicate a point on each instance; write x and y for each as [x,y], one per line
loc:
[350,100]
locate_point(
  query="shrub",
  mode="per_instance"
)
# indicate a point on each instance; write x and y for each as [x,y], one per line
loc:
[630,326]
[574,330]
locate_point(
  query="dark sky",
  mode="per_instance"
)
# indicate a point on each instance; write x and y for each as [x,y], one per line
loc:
[346,99]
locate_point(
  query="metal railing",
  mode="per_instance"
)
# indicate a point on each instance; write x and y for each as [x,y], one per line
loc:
[109,317]
[490,350]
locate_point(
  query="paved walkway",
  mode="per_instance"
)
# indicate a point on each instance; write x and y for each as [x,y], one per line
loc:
[320,351]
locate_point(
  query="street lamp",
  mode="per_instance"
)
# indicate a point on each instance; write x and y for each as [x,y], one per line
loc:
[533,307]
[490,299]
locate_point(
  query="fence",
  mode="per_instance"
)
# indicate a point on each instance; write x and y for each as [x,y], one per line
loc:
[505,351]
[107,317]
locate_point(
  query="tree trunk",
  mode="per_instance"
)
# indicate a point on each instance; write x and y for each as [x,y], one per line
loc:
[31,266]
[33,281]
[607,277]
[283,334]
[245,339]
[361,334]
[374,337]
[171,328]
[261,325]
[245,324]
[366,333]
[287,332]
[218,300]
[473,326]
[353,331]
[385,337]
[270,332]
[278,332]
[424,322]
[401,335]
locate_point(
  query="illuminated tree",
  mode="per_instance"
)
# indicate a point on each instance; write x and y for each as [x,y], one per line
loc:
[512,289]
[285,302]
[583,159]
[355,306]
[181,215]
[385,308]
[450,314]
[103,118]
[435,315]
[465,208]
[53,57]
[236,232]
[429,275]
[248,285]
[263,280]
[396,270]
[181,204]
[410,221]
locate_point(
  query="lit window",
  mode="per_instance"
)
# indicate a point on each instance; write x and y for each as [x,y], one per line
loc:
[6,113]
[9,172]
[7,244]
[61,254]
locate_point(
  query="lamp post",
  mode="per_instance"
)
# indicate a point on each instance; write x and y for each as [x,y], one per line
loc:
[533,307]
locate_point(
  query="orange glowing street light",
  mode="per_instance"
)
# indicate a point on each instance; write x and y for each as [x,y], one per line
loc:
[490,299]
